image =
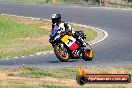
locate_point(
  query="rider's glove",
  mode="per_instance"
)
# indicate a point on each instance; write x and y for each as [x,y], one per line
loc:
[50,40]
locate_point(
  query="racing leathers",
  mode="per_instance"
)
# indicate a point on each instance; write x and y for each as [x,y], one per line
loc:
[65,27]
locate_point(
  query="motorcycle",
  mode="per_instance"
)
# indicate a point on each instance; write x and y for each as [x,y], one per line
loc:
[68,46]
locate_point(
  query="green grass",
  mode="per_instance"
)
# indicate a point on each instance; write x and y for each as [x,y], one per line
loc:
[21,36]
[11,32]
[34,1]
[20,86]
[51,86]
[28,1]
[65,74]
[49,1]
[90,2]
[46,72]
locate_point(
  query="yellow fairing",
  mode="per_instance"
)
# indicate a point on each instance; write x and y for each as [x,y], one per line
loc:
[65,38]
[91,54]
[66,55]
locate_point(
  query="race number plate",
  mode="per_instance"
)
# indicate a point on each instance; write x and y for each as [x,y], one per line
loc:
[70,42]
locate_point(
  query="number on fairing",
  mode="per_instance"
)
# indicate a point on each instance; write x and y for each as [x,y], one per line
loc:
[70,42]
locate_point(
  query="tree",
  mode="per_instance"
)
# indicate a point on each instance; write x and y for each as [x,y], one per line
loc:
[130,1]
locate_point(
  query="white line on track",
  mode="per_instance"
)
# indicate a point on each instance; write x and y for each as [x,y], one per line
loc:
[31,55]
[22,56]
[51,52]
[15,57]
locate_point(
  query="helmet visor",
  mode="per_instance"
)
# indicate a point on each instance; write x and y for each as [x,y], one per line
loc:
[56,21]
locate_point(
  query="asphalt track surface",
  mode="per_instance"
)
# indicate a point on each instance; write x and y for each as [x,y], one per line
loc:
[116,50]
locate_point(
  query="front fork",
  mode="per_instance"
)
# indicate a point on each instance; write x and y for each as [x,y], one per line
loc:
[61,45]
[84,44]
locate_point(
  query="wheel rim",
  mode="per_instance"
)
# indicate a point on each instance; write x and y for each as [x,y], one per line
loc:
[66,55]
[89,53]
[59,50]
[63,54]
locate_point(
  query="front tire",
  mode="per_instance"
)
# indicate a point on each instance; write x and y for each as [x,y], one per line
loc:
[59,53]
[87,55]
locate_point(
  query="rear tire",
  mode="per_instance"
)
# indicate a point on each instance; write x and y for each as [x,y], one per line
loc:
[87,55]
[58,53]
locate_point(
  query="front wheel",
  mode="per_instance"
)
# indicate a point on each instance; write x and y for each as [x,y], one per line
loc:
[87,55]
[62,55]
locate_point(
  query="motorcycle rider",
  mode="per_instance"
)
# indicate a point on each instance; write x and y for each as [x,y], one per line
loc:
[59,26]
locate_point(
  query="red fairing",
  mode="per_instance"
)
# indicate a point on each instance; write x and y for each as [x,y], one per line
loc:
[73,46]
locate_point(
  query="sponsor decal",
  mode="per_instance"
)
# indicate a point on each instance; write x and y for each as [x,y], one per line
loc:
[70,42]
[84,78]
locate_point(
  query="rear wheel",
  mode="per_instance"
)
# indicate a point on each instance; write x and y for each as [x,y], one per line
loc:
[87,55]
[62,55]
